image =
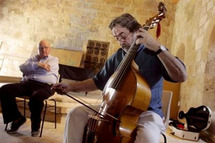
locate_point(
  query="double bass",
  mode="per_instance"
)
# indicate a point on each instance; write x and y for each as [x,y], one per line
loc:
[125,96]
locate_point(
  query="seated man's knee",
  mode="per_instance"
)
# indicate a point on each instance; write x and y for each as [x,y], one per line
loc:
[78,111]
[148,133]
[5,90]
[39,96]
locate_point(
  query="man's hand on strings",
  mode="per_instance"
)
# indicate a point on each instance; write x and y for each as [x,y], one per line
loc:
[61,88]
[143,37]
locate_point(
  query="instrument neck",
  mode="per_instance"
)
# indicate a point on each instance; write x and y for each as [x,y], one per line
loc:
[124,65]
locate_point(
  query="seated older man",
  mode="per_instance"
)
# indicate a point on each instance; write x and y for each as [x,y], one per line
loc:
[39,73]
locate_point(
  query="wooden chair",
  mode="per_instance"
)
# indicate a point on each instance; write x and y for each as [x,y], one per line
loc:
[24,99]
[166,104]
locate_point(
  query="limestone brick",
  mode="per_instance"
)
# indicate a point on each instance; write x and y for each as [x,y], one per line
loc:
[200,67]
[203,20]
[124,3]
[199,42]
[199,58]
[210,5]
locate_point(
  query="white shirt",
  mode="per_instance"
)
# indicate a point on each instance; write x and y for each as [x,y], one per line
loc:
[31,71]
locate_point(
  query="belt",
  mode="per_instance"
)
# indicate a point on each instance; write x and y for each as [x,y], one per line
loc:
[37,82]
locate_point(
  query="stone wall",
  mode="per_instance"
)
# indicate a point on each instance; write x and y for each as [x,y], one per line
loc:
[193,41]
[67,24]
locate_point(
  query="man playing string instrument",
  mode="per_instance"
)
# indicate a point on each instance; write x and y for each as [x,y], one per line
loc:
[155,64]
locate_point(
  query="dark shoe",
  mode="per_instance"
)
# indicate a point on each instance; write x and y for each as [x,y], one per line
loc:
[35,125]
[16,124]
[35,133]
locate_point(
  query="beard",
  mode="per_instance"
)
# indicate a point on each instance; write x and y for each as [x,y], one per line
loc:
[125,46]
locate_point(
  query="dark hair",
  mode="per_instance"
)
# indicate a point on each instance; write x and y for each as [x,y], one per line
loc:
[125,20]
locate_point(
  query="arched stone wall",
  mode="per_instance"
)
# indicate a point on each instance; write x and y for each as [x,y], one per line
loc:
[181,55]
[209,88]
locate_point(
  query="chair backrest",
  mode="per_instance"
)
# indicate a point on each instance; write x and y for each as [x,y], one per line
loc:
[166,104]
[96,55]
[74,73]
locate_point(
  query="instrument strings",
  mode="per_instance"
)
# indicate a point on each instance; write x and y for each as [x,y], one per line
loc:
[125,64]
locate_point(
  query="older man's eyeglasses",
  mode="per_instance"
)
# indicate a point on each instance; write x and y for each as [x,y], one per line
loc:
[43,47]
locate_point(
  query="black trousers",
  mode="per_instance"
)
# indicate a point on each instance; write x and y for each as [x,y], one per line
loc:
[37,92]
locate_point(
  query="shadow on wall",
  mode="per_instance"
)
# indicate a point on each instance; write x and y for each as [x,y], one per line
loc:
[181,52]
[2,3]
[210,72]
[211,54]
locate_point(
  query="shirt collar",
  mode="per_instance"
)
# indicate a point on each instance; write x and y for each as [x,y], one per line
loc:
[141,47]
[46,57]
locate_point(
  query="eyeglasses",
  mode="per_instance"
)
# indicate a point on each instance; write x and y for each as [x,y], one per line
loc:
[43,47]
[121,36]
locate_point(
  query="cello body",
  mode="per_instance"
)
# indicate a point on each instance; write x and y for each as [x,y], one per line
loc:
[121,103]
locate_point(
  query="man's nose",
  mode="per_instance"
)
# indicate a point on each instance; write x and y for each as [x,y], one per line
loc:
[121,42]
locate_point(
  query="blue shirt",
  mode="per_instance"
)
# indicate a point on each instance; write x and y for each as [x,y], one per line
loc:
[150,68]
[31,71]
